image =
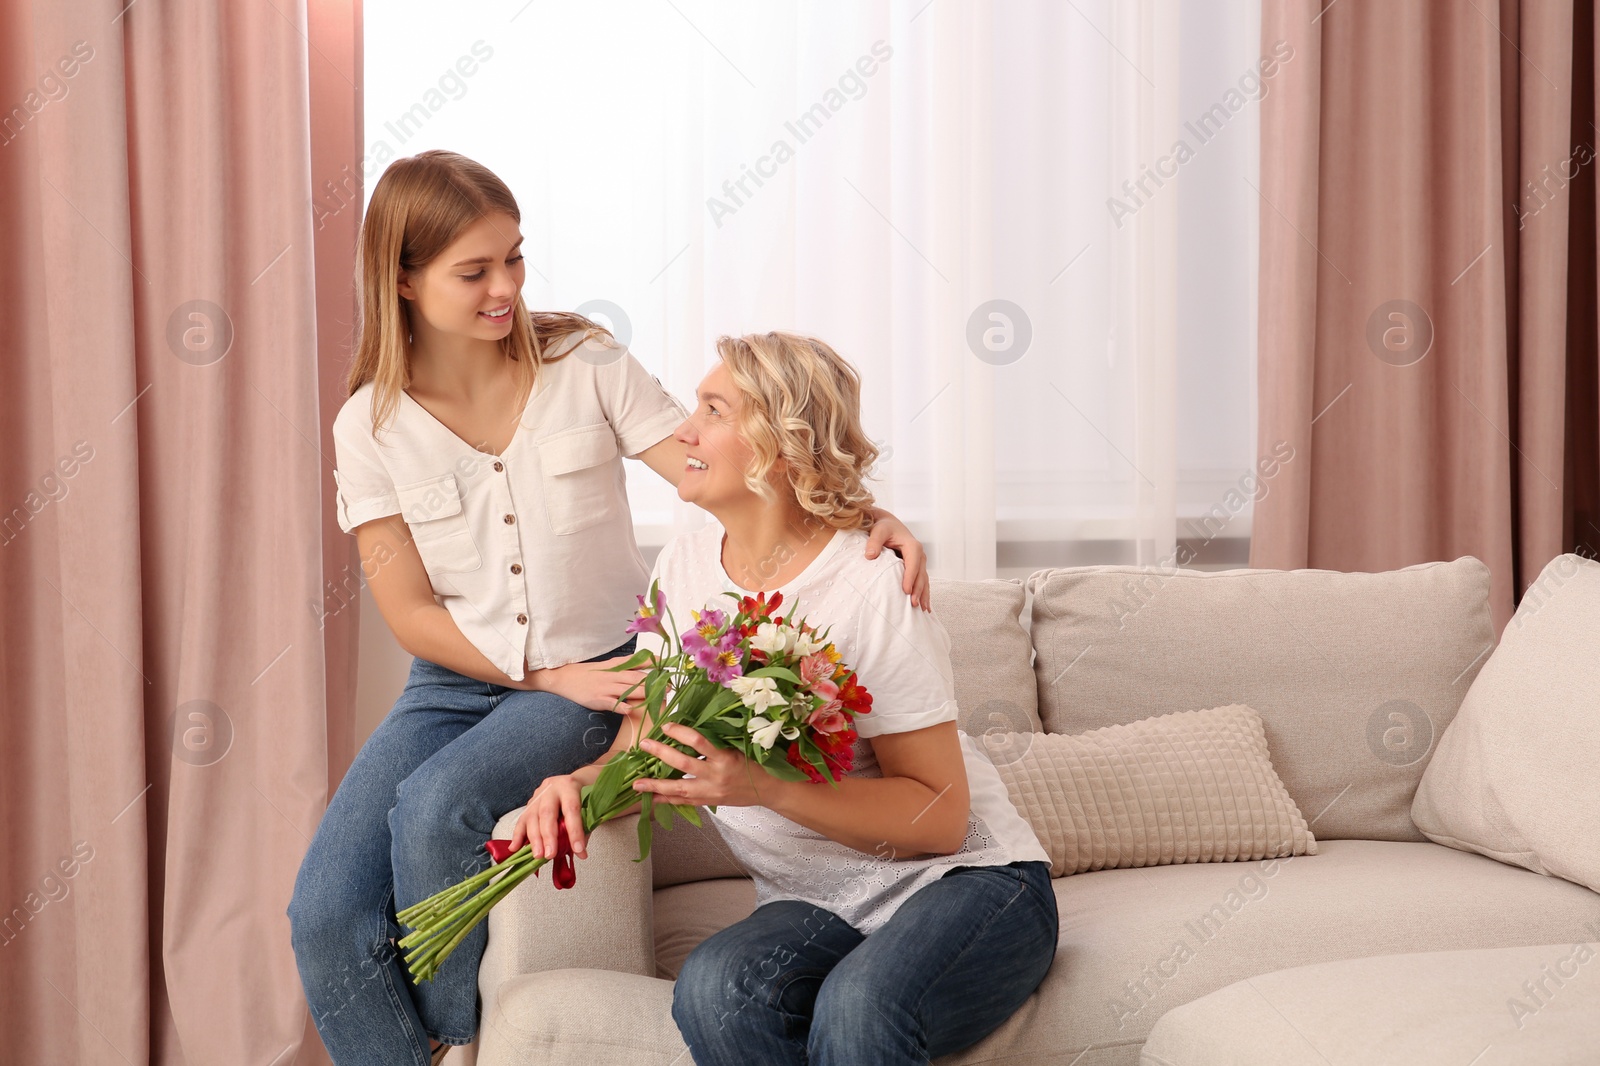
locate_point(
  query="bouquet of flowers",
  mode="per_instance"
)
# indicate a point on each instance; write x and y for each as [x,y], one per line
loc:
[772,689]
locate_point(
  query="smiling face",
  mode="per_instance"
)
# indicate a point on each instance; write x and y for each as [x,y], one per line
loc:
[718,454]
[470,289]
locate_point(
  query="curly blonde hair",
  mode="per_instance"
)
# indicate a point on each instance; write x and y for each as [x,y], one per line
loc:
[802,403]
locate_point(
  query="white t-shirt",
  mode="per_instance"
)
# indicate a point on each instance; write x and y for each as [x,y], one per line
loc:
[531,551]
[902,655]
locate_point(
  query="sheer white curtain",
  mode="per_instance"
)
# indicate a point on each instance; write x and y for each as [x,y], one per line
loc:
[929,187]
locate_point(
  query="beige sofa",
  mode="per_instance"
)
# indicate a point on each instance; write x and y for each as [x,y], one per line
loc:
[1356,677]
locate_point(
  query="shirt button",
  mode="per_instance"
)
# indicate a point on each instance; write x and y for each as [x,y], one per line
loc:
[510,518]
[499,467]
[522,619]
[516,568]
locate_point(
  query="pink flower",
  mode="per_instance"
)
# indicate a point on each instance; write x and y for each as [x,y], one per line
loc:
[648,620]
[698,640]
[816,673]
[829,718]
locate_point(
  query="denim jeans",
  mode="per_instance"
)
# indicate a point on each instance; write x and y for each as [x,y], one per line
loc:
[795,983]
[410,819]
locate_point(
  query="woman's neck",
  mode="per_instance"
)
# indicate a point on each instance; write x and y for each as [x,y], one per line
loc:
[454,367]
[767,546]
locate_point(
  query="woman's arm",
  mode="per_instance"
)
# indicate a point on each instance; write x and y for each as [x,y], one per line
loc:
[919,806]
[559,797]
[404,596]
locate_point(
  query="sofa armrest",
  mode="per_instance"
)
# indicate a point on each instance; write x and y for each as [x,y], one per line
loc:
[603,922]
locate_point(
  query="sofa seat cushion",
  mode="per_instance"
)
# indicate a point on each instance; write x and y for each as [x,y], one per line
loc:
[1537,1004]
[687,914]
[1138,942]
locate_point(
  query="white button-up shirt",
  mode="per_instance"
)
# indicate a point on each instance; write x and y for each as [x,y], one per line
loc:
[531,551]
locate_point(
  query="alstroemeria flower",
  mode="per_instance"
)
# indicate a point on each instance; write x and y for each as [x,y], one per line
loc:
[829,718]
[806,643]
[723,665]
[816,673]
[764,731]
[773,639]
[648,620]
[758,693]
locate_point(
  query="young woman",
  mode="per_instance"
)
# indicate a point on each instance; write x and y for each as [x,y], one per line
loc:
[480,469]
[907,913]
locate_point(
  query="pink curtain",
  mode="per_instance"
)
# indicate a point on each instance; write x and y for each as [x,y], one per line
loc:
[178,310]
[1427,322]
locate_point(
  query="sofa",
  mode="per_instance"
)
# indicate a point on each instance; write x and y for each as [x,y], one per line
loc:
[1384,945]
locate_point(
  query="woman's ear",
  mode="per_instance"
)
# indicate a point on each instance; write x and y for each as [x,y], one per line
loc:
[404,287]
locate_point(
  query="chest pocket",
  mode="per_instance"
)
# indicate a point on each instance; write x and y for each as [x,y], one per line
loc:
[432,511]
[581,482]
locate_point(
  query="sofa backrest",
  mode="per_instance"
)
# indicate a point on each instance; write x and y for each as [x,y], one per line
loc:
[1355,676]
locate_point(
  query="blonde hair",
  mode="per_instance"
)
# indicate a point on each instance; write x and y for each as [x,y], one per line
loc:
[419,207]
[801,402]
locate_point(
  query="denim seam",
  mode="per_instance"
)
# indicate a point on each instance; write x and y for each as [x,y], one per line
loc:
[1022,887]
[388,980]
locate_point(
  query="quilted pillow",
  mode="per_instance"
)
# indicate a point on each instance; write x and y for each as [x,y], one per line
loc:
[1191,786]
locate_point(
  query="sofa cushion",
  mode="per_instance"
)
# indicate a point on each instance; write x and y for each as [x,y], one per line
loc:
[1354,675]
[1517,775]
[1536,1004]
[1191,786]
[1134,944]
[686,914]
[688,852]
[989,653]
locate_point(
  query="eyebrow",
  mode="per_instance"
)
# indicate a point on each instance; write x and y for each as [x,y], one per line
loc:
[485,258]
[712,396]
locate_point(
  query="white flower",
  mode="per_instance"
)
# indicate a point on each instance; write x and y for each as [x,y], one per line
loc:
[804,645]
[758,693]
[773,638]
[764,732]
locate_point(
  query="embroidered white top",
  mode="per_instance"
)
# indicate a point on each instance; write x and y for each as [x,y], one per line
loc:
[902,656]
[531,551]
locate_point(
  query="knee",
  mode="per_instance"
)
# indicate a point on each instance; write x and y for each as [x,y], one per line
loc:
[318,914]
[429,806]
[713,986]
[850,1014]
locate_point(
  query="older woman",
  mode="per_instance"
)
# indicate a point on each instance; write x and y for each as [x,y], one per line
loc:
[908,912]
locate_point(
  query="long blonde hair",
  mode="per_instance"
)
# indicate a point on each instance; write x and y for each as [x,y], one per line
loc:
[420,205]
[802,402]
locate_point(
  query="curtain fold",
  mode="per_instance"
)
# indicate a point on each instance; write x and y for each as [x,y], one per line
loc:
[176,700]
[1426,316]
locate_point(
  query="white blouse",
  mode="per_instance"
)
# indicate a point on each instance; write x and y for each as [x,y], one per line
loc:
[531,551]
[902,655]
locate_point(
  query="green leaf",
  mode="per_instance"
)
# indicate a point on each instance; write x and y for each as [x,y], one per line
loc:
[663,814]
[690,814]
[785,772]
[635,661]
[776,671]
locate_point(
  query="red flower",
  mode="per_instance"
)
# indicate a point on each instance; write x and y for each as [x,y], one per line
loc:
[853,696]
[799,761]
[758,608]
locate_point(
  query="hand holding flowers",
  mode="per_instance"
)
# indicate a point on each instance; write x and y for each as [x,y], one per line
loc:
[731,696]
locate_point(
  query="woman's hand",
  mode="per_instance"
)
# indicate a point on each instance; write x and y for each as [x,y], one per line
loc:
[722,776]
[556,798]
[889,531]
[591,685]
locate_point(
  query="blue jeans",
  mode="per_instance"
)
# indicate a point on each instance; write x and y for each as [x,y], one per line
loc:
[796,983]
[408,820]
